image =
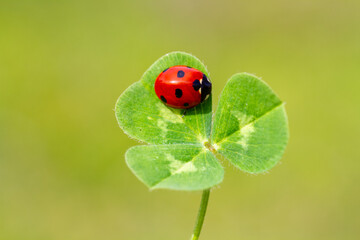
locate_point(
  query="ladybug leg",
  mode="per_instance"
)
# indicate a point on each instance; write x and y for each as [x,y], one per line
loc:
[184,113]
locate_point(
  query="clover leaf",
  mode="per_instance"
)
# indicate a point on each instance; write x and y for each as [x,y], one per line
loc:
[250,126]
[249,129]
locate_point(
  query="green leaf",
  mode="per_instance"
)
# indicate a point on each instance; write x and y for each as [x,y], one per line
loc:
[176,166]
[144,117]
[250,125]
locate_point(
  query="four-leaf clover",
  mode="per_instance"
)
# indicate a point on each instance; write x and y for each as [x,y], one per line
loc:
[249,129]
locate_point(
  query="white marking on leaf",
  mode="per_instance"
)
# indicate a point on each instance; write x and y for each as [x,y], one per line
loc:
[246,129]
[173,163]
[242,117]
[168,115]
[177,167]
[163,126]
[186,168]
[245,134]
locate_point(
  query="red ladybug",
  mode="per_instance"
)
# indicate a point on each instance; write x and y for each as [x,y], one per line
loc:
[182,87]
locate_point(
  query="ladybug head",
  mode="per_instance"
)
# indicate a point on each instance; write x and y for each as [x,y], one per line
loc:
[205,88]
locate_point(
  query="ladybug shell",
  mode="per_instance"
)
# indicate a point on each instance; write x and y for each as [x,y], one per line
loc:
[182,87]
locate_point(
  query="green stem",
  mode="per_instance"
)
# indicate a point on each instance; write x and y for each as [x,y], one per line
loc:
[201,214]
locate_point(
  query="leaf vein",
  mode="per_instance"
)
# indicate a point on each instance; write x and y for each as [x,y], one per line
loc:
[251,122]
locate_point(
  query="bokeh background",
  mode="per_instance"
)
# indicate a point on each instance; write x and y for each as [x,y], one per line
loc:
[63,64]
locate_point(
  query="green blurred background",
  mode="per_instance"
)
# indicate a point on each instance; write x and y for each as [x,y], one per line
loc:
[64,63]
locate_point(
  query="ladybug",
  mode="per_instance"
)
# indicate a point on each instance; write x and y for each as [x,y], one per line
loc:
[182,87]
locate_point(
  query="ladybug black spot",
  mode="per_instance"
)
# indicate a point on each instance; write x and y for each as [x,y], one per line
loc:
[180,74]
[165,70]
[186,104]
[178,93]
[196,85]
[188,67]
[163,98]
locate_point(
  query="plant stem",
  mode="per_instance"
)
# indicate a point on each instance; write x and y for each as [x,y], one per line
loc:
[201,214]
